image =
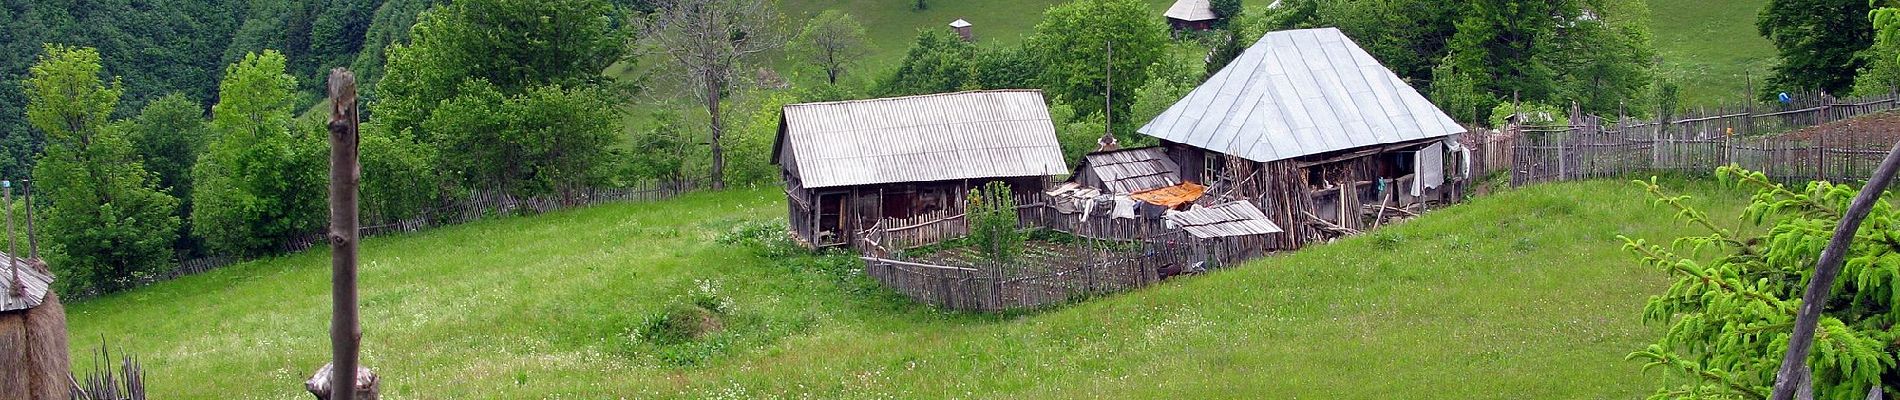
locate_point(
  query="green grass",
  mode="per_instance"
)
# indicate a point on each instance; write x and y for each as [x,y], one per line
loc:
[1523,294]
[1711,48]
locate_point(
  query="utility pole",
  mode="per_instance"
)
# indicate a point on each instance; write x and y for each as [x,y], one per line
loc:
[1108,141]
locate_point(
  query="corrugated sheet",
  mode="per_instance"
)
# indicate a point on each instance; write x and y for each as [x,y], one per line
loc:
[984,134]
[1133,170]
[1190,10]
[33,276]
[1296,93]
[1238,218]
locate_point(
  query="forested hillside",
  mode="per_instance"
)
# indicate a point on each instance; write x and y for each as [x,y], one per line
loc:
[182,46]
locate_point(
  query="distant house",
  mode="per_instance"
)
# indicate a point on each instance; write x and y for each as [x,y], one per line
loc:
[963,30]
[1191,15]
[1312,128]
[850,164]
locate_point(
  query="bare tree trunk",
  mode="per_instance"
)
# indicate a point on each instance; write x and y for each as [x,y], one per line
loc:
[718,131]
[346,335]
[1794,373]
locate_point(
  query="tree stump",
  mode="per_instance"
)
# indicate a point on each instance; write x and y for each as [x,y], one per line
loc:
[366,383]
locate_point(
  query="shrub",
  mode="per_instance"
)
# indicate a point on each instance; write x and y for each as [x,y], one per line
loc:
[992,216]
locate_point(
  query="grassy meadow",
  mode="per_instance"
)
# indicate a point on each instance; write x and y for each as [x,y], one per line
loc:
[1711,48]
[1522,294]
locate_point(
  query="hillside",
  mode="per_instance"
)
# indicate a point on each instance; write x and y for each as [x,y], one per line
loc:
[1525,290]
[1711,48]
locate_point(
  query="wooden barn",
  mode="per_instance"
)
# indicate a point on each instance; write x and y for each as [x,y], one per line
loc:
[850,164]
[1309,126]
[1191,15]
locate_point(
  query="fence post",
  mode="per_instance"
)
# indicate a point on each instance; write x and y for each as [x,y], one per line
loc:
[1820,137]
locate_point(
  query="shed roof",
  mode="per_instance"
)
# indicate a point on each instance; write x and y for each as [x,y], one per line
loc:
[1238,218]
[1297,93]
[34,278]
[959,23]
[1190,10]
[1133,170]
[935,137]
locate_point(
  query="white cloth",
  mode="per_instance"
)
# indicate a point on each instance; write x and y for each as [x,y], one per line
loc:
[1429,164]
[1124,208]
[1087,204]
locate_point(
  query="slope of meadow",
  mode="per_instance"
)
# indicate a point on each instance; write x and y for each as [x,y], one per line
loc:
[1522,294]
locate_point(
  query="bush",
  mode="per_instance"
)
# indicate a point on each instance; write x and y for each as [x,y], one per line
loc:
[992,216]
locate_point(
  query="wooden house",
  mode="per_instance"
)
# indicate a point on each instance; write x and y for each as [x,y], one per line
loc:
[1191,15]
[1309,126]
[850,164]
[1127,170]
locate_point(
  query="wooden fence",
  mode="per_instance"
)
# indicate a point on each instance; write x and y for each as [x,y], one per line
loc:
[1759,139]
[477,205]
[1102,255]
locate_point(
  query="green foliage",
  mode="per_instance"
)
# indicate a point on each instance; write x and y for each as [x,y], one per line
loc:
[1072,42]
[832,41]
[991,210]
[1882,73]
[260,181]
[398,175]
[1819,41]
[1597,54]
[169,134]
[548,140]
[1175,74]
[661,151]
[107,226]
[1226,10]
[513,46]
[749,142]
[937,62]
[1078,135]
[1730,317]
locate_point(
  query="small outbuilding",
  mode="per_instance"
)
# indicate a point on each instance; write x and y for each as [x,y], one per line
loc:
[1196,15]
[1309,126]
[1127,170]
[33,353]
[963,29]
[849,165]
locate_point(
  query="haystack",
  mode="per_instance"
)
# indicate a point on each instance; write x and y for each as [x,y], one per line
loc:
[33,354]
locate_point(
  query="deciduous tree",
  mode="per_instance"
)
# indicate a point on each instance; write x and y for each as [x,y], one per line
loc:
[708,43]
[1819,42]
[108,226]
[1072,42]
[260,181]
[832,41]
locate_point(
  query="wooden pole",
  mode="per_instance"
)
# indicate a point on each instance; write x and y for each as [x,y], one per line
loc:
[13,257]
[32,237]
[1794,372]
[345,334]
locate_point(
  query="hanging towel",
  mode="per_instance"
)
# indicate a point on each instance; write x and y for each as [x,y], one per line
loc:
[1124,208]
[1088,205]
[1430,165]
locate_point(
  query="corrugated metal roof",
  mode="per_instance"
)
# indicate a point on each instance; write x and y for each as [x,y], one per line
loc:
[34,278]
[1133,170]
[1238,218]
[1296,93]
[936,137]
[1190,10]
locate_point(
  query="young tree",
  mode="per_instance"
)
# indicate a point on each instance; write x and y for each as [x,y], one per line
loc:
[1073,41]
[107,226]
[708,43]
[1818,41]
[993,222]
[260,181]
[832,41]
[1730,317]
